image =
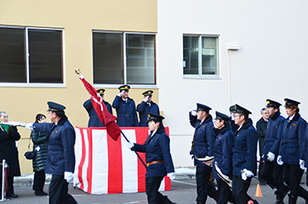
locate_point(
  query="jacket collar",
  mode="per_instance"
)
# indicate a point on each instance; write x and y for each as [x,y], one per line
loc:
[275,116]
[208,119]
[62,120]
[296,117]
[225,129]
[247,123]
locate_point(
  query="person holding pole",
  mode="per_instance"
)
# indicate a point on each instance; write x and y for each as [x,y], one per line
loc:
[158,158]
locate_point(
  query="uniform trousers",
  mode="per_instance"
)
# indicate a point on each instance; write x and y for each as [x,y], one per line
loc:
[204,187]
[240,188]
[272,173]
[39,181]
[292,175]
[224,193]
[58,191]
[10,187]
[154,196]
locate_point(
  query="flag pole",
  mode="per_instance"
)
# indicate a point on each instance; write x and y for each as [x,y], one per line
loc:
[134,150]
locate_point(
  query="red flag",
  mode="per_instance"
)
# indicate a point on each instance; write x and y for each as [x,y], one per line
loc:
[100,108]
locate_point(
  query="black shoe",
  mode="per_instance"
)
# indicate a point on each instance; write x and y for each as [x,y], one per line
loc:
[40,193]
[11,195]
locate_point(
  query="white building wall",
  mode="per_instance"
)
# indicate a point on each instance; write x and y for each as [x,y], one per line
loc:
[271,63]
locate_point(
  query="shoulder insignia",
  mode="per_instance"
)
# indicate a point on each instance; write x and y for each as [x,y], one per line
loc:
[294,124]
[56,131]
[203,126]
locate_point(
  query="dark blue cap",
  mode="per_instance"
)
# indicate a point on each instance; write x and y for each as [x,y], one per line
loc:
[124,87]
[271,103]
[232,108]
[154,117]
[201,107]
[290,102]
[52,106]
[240,109]
[101,91]
[147,93]
[222,116]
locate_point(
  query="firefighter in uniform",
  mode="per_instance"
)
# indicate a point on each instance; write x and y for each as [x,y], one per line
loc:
[158,158]
[94,121]
[203,148]
[244,155]
[145,107]
[292,150]
[271,172]
[126,108]
[222,167]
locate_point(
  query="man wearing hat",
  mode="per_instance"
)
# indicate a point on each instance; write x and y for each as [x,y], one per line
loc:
[222,165]
[94,120]
[145,107]
[126,108]
[60,154]
[202,148]
[244,155]
[271,172]
[158,158]
[292,150]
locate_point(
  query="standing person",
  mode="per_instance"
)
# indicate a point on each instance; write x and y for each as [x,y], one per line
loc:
[261,130]
[9,152]
[292,150]
[94,121]
[202,148]
[145,107]
[60,155]
[39,140]
[158,158]
[244,155]
[271,172]
[126,108]
[222,167]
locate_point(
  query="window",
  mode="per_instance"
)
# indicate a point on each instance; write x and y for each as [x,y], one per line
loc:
[30,55]
[120,58]
[200,56]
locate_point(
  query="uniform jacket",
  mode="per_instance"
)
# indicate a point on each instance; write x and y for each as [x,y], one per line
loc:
[8,150]
[157,148]
[61,141]
[94,121]
[261,130]
[292,143]
[126,112]
[204,138]
[143,108]
[39,139]
[223,151]
[245,149]
[273,134]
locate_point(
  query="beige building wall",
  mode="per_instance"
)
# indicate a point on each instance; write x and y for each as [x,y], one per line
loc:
[77,19]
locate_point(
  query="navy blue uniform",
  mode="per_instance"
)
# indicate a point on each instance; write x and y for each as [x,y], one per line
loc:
[94,121]
[203,145]
[223,156]
[157,148]
[244,157]
[144,108]
[126,112]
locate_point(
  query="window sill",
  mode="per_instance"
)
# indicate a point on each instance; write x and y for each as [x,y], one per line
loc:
[201,77]
[140,86]
[32,85]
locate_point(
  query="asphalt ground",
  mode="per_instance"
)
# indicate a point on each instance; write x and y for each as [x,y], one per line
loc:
[183,192]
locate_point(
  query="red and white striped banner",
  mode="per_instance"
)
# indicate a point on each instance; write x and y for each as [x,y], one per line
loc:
[105,166]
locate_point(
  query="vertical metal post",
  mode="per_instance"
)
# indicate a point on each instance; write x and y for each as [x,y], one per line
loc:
[3,178]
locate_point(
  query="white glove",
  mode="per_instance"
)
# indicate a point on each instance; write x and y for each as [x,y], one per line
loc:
[129,145]
[270,156]
[68,176]
[146,99]
[120,94]
[244,176]
[29,126]
[279,160]
[249,173]
[193,112]
[171,175]
[302,164]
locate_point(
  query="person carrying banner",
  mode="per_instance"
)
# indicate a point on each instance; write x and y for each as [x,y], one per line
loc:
[94,120]
[126,108]
[271,172]
[202,150]
[222,167]
[145,107]
[158,158]
[244,155]
[60,154]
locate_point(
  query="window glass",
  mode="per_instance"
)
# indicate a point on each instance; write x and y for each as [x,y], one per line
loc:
[190,51]
[107,58]
[209,55]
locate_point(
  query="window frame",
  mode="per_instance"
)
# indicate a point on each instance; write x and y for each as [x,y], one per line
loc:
[124,58]
[28,83]
[200,75]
